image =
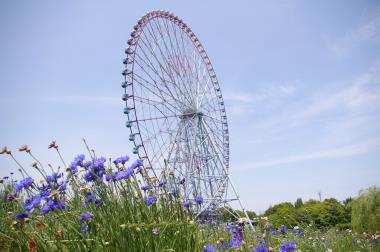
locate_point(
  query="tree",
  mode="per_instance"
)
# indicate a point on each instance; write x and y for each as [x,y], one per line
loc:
[365,216]
[298,203]
[282,214]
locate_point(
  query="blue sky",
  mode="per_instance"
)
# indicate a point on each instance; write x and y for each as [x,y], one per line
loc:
[301,82]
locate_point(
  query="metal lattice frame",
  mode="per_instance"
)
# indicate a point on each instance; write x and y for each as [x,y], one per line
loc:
[175,108]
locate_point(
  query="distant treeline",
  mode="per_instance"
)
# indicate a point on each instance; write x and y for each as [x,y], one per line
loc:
[362,214]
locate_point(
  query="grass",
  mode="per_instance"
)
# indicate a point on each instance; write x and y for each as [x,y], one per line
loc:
[123,217]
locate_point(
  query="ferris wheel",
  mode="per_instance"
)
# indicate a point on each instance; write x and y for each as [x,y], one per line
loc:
[175,109]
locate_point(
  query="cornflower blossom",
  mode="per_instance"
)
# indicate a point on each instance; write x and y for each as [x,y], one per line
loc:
[146,188]
[155,231]
[89,176]
[87,164]
[52,205]
[21,216]
[54,177]
[161,183]
[182,181]
[235,243]
[199,199]
[151,200]
[273,232]
[24,184]
[136,164]
[77,162]
[121,160]
[124,174]
[282,229]
[261,248]
[288,247]
[209,248]
[32,203]
[186,204]
[174,193]
[86,216]
[223,246]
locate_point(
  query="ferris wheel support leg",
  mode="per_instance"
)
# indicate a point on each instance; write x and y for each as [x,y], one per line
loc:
[241,205]
[229,180]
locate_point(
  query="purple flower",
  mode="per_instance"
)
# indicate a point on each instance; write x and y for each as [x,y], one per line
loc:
[136,164]
[89,197]
[123,174]
[10,197]
[151,200]
[261,248]
[223,246]
[89,176]
[98,202]
[86,216]
[273,232]
[98,164]
[182,181]
[235,243]
[155,231]
[174,193]
[146,187]
[87,164]
[32,203]
[302,234]
[199,200]
[282,229]
[45,209]
[186,204]
[84,228]
[259,240]
[161,183]
[288,247]
[79,159]
[73,168]
[228,227]
[25,183]
[209,248]
[54,177]
[21,216]
[121,160]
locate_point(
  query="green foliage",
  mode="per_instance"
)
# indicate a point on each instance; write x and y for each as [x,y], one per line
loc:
[283,214]
[366,211]
[324,214]
[298,203]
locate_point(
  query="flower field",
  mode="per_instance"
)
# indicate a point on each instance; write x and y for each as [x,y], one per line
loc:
[99,204]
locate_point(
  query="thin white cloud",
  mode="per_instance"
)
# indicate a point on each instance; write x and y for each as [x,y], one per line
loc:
[362,95]
[343,151]
[368,32]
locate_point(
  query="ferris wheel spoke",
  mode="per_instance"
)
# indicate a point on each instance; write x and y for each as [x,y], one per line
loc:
[163,80]
[156,118]
[143,82]
[179,52]
[186,58]
[157,103]
[161,77]
[167,69]
[219,145]
[175,66]
[214,119]
[162,147]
